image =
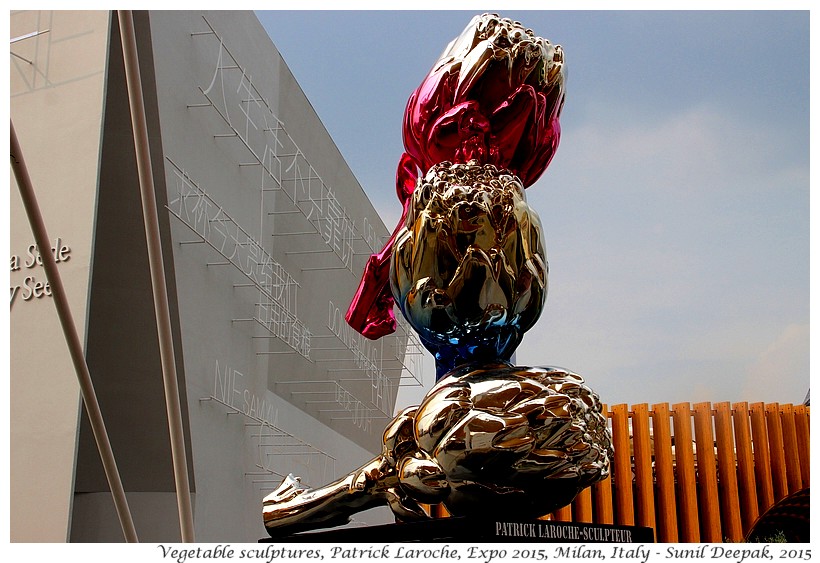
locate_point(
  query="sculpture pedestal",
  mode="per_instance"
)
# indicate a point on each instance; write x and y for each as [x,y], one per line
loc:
[477,530]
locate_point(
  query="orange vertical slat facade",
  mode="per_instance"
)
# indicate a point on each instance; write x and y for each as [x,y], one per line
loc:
[563,514]
[777,456]
[763,466]
[727,472]
[642,448]
[582,506]
[723,498]
[793,477]
[801,419]
[667,520]
[602,493]
[602,502]
[747,487]
[438,511]
[709,507]
[688,521]
[624,509]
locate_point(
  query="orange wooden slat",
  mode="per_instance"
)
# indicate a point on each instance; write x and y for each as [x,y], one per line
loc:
[763,466]
[801,420]
[793,477]
[667,529]
[751,471]
[747,488]
[439,511]
[688,526]
[602,502]
[777,456]
[582,506]
[602,494]
[624,509]
[644,481]
[563,514]
[727,471]
[708,504]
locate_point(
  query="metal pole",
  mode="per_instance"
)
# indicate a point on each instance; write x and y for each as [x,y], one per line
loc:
[72,338]
[161,309]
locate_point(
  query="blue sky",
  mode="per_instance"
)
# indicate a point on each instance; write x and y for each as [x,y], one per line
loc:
[676,210]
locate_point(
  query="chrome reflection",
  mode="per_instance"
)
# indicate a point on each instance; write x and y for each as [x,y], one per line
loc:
[492,438]
[468,269]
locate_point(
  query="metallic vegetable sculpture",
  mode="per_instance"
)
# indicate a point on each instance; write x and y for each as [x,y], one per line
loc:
[466,266]
[494,96]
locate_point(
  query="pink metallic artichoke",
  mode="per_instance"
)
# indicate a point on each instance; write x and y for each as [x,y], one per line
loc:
[495,96]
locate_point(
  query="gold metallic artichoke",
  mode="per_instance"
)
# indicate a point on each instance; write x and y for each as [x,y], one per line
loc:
[487,439]
[512,439]
[468,268]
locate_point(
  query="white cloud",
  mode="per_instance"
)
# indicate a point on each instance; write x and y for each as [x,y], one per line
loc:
[699,150]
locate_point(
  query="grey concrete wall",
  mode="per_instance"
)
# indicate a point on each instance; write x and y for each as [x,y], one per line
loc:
[266,231]
[122,347]
[263,209]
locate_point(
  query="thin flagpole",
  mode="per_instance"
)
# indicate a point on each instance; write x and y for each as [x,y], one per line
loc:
[72,339]
[161,309]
